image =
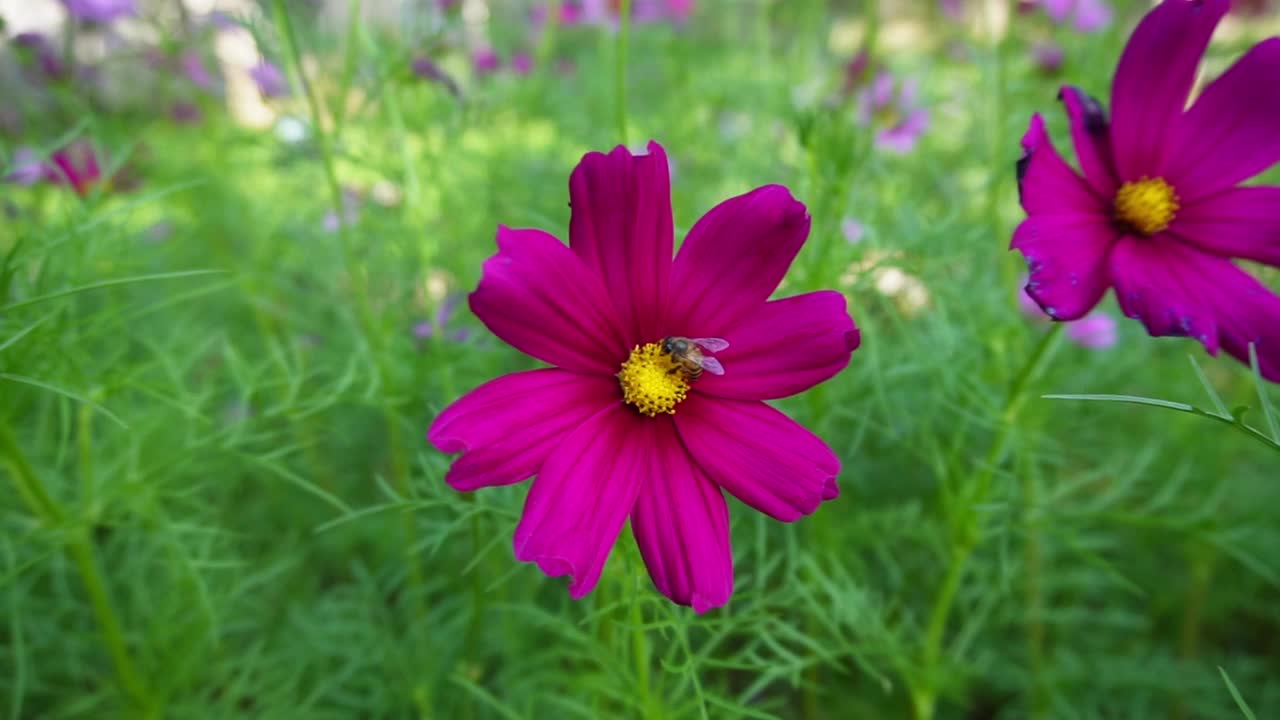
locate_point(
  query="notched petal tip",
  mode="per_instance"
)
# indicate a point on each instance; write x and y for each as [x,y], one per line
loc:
[830,488]
[853,339]
[1087,108]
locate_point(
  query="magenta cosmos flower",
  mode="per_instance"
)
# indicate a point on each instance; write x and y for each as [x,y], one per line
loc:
[1159,212]
[623,427]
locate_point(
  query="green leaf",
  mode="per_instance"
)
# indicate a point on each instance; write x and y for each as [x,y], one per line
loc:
[1235,695]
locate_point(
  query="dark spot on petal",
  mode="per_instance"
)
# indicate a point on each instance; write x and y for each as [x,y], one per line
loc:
[1095,116]
[1020,168]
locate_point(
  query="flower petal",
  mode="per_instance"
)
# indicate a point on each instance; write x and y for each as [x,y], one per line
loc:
[1175,289]
[1243,222]
[542,300]
[1066,260]
[507,427]
[583,495]
[1231,132]
[1046,184]
[1154,78]
[1092,142]
[681,524]
[621,227]
[785,347]
[760,456]
[733,259]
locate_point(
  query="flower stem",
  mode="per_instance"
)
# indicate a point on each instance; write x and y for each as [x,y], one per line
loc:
[632,587]
[924,697]
[624,27]
[373,340]
[83,555]
[294,55]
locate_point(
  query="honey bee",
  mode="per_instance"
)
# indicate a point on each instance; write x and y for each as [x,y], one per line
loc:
[688,355]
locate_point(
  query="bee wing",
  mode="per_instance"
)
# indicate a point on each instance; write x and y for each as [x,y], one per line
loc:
[712,366]
[711,344]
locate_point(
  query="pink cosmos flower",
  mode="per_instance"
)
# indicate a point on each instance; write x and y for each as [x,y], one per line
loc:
[1085,15]
[852,231]
[427,69]
[569,13]
[522,63]
[270,79]
[99,11]
[439,326]
[620,429]
[194,69]
[953,9]
[485,61]
[26,168]
[1159,212]
[75,165]
[44,57]
[893,107]
[185,113]
[1048,57]
[606,12]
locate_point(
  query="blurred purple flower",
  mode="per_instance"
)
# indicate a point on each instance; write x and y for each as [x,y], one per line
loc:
[651,11]
[1251,8]
[522,63]
[350,212]
[222,20]
[855,71]
[46,58]
[439,326]
[99,11]
[1085,15]
[194,69]
[1095,331]
[27,167]
[426,69]
[893,108]
[953,9]
[485,61]
[270,78]
[570,13]
[852,230]
[1048,57]
[606,12]
[185,113]
[78,165]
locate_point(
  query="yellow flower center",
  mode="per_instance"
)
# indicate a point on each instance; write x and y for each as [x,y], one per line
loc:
[1147,206]
[652,381]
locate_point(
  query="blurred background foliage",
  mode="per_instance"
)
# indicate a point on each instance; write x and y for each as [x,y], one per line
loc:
[230,307]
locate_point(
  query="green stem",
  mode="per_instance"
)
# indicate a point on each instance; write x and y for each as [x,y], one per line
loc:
[294,55]
[639,640]
[373,340]
[624,26]
[81,550]
[925,697]
[24,478]
[1034,588]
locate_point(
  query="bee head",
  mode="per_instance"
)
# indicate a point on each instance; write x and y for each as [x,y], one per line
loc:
[673,345]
